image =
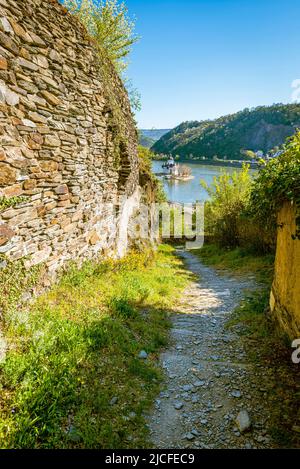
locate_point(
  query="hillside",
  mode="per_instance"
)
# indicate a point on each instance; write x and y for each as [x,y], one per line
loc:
[149,136]
[262,128]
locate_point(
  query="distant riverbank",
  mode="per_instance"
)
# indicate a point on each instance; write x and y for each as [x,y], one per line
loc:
[222,163]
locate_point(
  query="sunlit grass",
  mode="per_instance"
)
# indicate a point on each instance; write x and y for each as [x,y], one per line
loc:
[72,377]
[238,260]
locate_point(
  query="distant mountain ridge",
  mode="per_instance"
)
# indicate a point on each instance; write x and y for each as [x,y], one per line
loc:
[149,136]
[258,129]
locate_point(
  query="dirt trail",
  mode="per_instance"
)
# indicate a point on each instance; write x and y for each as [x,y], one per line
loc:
[208,377]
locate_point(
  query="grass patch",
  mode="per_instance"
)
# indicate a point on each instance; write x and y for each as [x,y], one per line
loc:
[72,376]
[15,280]
[238,260]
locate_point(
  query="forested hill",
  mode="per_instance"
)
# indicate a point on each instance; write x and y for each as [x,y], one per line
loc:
[262,128]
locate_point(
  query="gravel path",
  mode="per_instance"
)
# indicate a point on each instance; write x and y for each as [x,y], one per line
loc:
[209,380]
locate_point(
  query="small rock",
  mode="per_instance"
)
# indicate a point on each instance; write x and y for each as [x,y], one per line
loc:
[114,400]
[187,388]
[143,355]
[236,394]
[199,383]
[215,357]
[73,434]
[189,436]
[243,421]
[178,405]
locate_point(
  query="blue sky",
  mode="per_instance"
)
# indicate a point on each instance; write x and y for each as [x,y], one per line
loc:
[201,59]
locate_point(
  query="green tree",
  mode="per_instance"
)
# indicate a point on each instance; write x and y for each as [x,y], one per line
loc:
[229,197]
[109,23]
[277,182]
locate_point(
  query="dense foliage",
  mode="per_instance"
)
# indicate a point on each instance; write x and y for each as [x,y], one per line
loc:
[243,211]
[230,137]
[229,197]
[277,182]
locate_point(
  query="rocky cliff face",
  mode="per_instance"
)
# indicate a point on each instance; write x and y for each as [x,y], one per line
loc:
[64,159]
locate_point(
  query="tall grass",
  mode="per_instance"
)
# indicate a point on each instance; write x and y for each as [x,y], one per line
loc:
[73,376]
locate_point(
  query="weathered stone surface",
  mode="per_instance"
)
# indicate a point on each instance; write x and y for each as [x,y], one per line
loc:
[8,174]
[27,64]
[35,117]
[37,40]
[7,96]
[29,184]
[6,234]
[6,25]
[49,165]
[51,98]
[19,31]
[51,141]
[94,238]
[7,43]
[39,257]
[3,63]
[61,190]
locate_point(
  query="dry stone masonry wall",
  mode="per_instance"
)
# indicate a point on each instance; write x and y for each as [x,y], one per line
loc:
[62,160]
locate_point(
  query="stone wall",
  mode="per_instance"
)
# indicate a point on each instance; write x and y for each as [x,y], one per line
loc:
[285,296]
[61,148]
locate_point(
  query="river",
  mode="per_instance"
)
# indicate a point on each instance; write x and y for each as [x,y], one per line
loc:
[190,191]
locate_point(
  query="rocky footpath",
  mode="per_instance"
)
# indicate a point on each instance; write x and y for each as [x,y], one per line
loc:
[213,396]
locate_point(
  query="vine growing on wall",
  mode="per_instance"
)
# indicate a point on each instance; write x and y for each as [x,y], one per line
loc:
[276,183]
[9,202]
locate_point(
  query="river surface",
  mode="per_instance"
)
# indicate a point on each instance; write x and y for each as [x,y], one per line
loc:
[190,191]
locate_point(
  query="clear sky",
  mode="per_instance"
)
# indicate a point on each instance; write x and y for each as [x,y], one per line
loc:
[201,59]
